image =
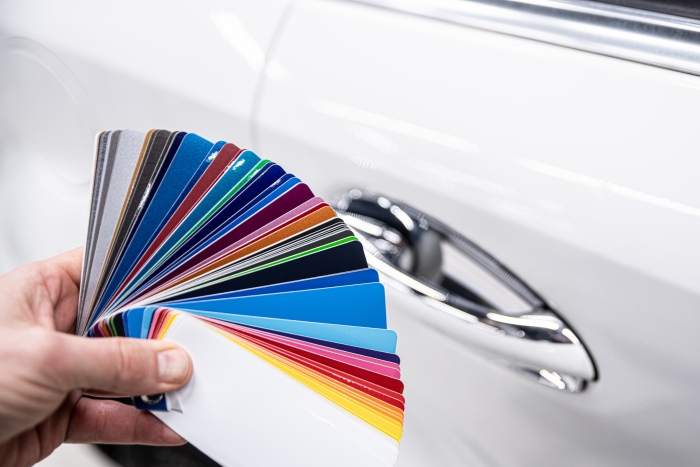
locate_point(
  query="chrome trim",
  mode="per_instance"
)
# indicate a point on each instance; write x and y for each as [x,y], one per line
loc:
[640,36]
[530,338]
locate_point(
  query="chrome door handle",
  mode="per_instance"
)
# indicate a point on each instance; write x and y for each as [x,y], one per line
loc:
[497,313]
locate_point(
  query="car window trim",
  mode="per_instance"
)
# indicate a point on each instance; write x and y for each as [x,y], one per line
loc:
[640,36]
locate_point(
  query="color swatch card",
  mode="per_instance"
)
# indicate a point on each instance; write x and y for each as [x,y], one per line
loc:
[237,261]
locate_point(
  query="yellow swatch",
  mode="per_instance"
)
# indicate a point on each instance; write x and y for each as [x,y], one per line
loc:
[372,417]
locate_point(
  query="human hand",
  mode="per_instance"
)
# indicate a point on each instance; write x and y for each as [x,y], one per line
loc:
[45,369]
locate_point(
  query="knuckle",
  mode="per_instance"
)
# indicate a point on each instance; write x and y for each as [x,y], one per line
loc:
[132,365]
[123,358]
[45,273]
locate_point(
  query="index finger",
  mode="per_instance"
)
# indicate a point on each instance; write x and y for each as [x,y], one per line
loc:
[65,307]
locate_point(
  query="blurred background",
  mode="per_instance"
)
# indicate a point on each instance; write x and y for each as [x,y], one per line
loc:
[508,164]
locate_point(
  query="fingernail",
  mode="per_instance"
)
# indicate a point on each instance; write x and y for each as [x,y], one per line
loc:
[172,365]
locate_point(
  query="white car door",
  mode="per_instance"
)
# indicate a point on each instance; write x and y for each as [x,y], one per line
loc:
[576,170]
[71,69]
[564,146]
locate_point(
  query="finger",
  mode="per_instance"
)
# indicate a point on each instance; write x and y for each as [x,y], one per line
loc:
[105,394]
[68,266]
[120,365]
[71,262]
[110,422]
[47,291]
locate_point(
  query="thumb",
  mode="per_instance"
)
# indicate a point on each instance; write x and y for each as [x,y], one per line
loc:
[121,365]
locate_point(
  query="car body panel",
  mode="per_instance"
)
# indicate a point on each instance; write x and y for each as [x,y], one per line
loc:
[577,171]
[193,65]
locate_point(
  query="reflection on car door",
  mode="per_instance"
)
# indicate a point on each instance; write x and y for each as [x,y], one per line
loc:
[572,168]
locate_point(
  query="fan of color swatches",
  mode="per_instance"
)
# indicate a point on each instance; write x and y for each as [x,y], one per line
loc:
[234,259]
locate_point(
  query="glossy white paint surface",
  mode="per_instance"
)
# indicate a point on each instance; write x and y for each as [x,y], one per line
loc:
[190,64]
[583,148]
[578,171]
